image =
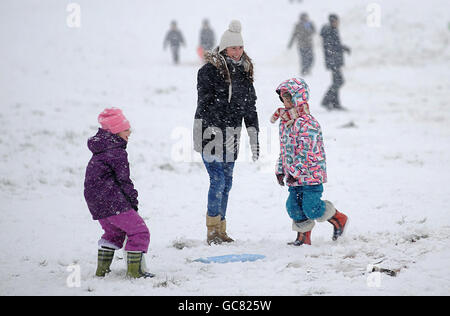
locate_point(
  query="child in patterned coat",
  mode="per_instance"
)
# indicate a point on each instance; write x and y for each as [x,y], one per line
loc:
[302,163]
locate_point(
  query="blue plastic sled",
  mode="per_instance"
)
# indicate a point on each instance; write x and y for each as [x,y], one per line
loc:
[230,258]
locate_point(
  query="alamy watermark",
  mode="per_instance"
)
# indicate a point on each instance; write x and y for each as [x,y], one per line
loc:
[221,144]
[73,19]
[74,278]
[374,15]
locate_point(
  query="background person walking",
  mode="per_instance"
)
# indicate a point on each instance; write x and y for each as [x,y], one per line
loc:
[303,35]
[174,38]
[334,61]
[207,38]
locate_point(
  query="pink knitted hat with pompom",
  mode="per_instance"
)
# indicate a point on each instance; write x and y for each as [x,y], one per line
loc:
[113,120]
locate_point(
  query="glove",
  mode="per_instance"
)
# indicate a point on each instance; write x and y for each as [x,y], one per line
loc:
[280,179]
[254,142]
[255,152]
[290,179]
[347,50]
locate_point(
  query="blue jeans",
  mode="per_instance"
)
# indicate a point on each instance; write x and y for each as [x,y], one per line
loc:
[221,179]
[304,202]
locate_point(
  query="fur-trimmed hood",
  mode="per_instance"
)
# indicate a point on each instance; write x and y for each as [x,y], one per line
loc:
[218,60]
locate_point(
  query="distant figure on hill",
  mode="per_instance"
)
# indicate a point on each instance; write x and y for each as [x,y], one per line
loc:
[302,34]
[207,38]
[175,39]
[334,60]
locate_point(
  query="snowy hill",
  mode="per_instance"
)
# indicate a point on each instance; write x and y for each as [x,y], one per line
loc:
[387,156]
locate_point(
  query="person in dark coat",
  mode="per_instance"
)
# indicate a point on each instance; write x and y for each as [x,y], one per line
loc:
[334,61]
[207,36]
[207,39]
[303,35]
[226,97]
[111,196]
[174,38]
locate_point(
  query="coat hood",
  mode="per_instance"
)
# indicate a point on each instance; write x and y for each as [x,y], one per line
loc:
[297,88]
[105,140]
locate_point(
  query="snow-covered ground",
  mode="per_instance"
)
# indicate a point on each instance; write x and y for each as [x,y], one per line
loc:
[387,155]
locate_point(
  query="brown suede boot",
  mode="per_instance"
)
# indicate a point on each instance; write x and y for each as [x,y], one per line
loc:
[223,232]
[213,226]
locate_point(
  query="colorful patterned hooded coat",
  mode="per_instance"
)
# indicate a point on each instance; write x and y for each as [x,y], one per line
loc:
[302,153]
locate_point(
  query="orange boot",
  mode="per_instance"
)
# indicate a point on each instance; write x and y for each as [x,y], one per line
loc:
[302,238]
[338,221]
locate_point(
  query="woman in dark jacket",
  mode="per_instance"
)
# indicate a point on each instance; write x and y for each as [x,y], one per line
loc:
[226,96]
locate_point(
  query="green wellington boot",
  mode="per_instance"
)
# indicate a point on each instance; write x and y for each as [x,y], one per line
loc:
[134,261]
[105,258]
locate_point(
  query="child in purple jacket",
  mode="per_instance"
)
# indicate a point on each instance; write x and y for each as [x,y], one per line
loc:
[111,197]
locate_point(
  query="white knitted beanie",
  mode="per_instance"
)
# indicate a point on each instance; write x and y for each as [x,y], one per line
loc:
[232,36]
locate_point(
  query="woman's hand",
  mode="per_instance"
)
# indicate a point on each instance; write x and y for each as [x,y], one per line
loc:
[255,152]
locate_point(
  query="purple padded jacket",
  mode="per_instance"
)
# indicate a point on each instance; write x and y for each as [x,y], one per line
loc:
[108,189]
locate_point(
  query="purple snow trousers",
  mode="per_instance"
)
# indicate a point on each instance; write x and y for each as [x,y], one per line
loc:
[128,224]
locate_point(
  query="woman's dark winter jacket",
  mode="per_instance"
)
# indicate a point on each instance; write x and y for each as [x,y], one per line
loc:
[333,49]
[108,189]
[226,96]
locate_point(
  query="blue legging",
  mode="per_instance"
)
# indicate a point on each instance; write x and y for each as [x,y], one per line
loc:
[221,180]
[304,202]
